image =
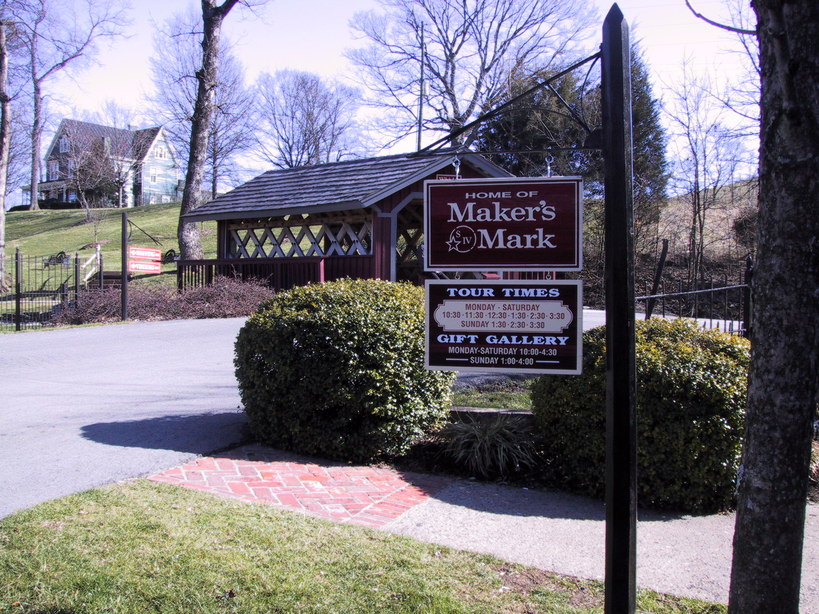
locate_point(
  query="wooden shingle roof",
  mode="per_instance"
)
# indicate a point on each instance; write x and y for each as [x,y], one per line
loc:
[337,186]
[126,143]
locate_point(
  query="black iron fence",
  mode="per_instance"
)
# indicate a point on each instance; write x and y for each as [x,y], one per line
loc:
[34,288]
[722,304]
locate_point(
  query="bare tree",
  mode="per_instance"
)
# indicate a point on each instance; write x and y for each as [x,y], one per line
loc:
[742,92]
[303,120]
[5,146]
[233,124]
[207,80]
[87,167]
[784,374]
[783,380]
[213,15]
[54,39]
[174,64]
[467,49]
[177,56]
[121,150]
[708,157]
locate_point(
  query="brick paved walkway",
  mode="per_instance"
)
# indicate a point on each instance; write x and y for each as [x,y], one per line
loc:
[362,495]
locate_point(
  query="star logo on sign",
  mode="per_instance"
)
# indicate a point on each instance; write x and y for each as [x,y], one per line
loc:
[461,240]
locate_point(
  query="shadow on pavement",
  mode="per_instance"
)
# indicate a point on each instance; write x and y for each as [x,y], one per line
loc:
[511,501]
[196,434]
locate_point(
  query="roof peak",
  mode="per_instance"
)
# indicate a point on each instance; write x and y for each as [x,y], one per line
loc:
[67,120]
[416,155]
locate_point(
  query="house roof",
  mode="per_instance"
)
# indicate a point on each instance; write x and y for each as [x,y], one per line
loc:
[133,144]
[336,186]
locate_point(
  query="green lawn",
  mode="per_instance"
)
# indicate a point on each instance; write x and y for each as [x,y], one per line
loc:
[512,394]
[41,233]
[145,547]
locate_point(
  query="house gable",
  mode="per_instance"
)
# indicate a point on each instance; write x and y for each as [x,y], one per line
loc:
[157,172]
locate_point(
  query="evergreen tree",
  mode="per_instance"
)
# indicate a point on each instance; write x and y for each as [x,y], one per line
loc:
[541,131]
[536,133]
[650,164]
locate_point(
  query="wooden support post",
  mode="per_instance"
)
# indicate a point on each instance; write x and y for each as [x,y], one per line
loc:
[621,427]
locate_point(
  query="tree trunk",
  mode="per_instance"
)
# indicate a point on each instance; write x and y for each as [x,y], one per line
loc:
[5,145]
[783,387]
[36,135]
[190,246]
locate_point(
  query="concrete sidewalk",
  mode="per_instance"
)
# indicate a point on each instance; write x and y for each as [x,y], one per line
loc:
[687,556]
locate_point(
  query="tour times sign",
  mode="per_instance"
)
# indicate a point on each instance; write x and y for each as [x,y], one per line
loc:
[504,326]
[506,224]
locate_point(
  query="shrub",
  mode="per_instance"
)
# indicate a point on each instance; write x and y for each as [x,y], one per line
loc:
[691,391]
[94,306]
[496,448]
[224,298]
[337,369]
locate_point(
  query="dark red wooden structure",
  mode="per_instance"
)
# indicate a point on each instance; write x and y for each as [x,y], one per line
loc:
[358,218]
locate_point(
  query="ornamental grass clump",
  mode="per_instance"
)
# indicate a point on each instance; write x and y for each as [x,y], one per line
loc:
[337,370]
[691,394]
[500,447]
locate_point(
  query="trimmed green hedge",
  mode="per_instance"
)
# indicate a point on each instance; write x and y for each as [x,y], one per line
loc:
[337,369]
[691,393]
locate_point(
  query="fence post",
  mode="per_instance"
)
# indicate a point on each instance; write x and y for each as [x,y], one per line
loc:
[658,275]
[100,268]
[76,278]
[746,297]
[18,275]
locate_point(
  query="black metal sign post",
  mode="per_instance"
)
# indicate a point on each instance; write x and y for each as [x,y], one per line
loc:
[124,273]
[621,420]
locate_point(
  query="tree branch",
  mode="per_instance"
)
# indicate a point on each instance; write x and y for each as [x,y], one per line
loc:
[717,24]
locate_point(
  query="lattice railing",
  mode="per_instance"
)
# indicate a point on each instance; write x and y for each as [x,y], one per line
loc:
[300,236]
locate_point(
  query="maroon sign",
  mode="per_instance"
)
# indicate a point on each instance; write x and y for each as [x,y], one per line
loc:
[504,326]
[144,259]
[503,224]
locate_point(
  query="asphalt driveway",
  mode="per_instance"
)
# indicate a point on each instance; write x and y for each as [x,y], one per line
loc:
[87,406]
[82,407]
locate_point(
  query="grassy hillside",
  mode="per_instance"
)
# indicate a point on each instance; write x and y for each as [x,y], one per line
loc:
[42,233]
[724,208]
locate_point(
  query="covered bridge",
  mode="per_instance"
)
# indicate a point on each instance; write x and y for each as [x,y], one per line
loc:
[358,218]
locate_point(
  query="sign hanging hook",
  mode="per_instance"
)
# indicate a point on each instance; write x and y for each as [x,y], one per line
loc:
[549,160]
[456,164]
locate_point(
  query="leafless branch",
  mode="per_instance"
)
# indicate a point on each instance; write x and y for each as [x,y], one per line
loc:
[717,24]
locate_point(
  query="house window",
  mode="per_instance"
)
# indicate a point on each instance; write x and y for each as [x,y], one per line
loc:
[152,175]
[160,153]
[71,168]
[64,145]
[53,170]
